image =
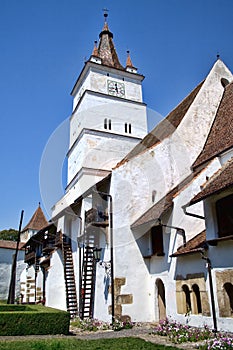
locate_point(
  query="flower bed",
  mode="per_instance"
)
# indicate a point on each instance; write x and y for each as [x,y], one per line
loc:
[179,333]
[94,325]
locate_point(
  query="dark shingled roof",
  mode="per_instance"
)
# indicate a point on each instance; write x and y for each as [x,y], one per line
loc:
[220,137]
[165,128]
[156,211]
[10,245]
[37,221]
[194,245]
[106,49]
[220,181]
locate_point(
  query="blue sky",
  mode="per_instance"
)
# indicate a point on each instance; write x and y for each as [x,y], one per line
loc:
[43,47]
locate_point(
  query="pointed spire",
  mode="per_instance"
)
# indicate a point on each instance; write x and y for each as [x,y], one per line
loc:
[95,50]
[106,49]
[37,221]
[129,65]
[128,60]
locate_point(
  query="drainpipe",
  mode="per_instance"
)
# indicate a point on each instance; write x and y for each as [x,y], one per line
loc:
[111,251]
[209,267]
[179,230]
[184,207]
[80,267]
[11,295]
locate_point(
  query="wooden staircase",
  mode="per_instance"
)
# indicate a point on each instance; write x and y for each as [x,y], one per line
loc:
[87,284]
[71,295]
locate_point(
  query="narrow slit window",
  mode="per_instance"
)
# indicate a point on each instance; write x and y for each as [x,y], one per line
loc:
[105,123]
[126,127]
[130,129]
[110,124]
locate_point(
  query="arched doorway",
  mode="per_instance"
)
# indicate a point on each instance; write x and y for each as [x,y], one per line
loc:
[161,299]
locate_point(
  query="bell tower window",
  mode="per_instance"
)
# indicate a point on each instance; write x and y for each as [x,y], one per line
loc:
[107,124]
[128,128]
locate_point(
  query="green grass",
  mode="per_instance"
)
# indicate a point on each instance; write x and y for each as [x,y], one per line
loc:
[76,344]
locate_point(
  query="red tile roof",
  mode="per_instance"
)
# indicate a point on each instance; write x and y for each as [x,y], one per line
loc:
[220,137]
[220,181]
[194,245]
[10,245]
[37,221]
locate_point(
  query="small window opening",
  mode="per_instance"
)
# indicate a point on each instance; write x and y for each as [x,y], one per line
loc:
[224,209]
[110,124]
[224,82]
[105,123]
[130,129]
[153,196]
[126,127]
[157,240]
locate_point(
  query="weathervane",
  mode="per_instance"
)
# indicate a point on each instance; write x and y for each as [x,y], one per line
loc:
[105,10]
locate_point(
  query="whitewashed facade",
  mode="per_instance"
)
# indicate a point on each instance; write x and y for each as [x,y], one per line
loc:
[127,193]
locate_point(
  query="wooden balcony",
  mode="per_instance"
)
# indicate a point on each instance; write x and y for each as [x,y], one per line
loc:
[96,217]
[48,246]
[30,257]
[59,239]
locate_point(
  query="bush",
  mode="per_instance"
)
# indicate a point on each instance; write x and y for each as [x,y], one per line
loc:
[32,319]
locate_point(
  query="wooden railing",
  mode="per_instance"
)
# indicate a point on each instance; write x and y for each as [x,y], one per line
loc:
[30,256]
[96,217]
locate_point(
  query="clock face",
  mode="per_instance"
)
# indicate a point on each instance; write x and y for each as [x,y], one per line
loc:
[116,89]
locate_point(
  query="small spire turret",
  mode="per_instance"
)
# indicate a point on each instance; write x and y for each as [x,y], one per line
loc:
[95,50]
[129,64]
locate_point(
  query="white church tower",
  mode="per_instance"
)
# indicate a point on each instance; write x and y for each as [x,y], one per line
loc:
[108,118]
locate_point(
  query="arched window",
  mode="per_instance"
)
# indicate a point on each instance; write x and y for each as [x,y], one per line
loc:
[105,123]
[161,299]
[229,289]
[197,308]
[109,124]
[186,291]
[126,127]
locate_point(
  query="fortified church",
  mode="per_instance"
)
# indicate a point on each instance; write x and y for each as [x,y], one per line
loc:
[145,227]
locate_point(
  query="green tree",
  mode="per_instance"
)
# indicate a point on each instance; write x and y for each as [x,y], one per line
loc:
[9,235]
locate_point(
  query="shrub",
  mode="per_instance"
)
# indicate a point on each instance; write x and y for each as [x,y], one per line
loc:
[33,319]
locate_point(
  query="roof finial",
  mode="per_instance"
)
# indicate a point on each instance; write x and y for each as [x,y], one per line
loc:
[105,14]
[218,55]
[39,204]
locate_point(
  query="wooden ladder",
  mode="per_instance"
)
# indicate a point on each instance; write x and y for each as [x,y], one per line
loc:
[71,295]
[88,284]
